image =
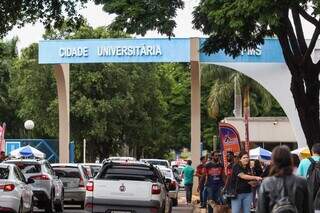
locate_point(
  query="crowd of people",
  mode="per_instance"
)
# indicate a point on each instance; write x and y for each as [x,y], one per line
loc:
[282,184]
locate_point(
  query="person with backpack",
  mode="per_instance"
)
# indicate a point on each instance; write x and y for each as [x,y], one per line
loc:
[310,169]
[282,191]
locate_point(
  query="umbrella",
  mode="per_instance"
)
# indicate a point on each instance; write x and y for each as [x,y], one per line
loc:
[303,152]
[27,152]
[260,153]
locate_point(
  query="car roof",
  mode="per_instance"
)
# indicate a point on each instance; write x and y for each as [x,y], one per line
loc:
[128,163]
[65,164]
[6,165]
[154,159]
[25,160]
[91,164]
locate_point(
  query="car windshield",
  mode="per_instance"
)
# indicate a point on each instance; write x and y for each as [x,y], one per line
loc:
[28,167]
[128,173]
[4,173]
[67,172]
[155,162]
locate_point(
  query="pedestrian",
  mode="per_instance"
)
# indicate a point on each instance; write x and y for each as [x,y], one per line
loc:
[214,181]
[188,173]
[200,173]
[310,168]
[282,189]
[256,170]
[295,162]
[243,179]
[227,190]
[2,156]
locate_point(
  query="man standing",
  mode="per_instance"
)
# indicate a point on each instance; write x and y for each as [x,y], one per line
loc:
[2,156]
[200,174]
[214,180]
[305,163]
[188,173]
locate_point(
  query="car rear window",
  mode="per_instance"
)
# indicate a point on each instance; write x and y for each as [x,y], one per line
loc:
[67,172]
[128,173]
[4,173]
[28,167]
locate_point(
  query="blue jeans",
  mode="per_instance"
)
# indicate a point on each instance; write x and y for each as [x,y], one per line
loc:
[214,193]
[203,195]
[243,201]
[188,189]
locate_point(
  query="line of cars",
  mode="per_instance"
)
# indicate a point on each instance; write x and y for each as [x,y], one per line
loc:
[25,183]
[120,185]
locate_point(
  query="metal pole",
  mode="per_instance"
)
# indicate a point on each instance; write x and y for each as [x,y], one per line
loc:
[84,150]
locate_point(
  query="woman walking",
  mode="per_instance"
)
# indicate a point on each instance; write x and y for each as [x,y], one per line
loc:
[282,186]
[243,179]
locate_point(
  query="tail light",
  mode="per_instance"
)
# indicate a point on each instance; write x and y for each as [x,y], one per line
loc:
[90,186]
[81,183]
[7,187]
[40,177]
[156,189]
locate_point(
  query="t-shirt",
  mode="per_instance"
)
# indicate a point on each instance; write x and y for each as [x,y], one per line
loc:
[201,172]
[242,186]
[188,173]
[304,166]
[214,173]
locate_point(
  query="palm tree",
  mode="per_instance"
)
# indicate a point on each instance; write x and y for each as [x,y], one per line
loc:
[227,83]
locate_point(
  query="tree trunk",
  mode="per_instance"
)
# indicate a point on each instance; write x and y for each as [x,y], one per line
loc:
[305,91]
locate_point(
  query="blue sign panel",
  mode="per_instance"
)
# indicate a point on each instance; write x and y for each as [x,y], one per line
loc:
[270,52]
[114,51]
[12,145]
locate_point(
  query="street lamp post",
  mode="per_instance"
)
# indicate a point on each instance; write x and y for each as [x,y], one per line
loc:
[29,125]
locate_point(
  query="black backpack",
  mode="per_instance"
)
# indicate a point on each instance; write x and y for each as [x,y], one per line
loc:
[284,204]
[313,179]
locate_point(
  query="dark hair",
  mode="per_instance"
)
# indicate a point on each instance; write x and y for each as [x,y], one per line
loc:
[281,161]
[241,154]
[316,148]
[230,153]
[202,158]
[295,160]
[215,152]
[189,162]
[258,167]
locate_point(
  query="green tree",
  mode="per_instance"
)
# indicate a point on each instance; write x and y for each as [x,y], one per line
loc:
[50,13]
[237,25]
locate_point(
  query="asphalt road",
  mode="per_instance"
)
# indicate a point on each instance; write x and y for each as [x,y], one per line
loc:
[181,208]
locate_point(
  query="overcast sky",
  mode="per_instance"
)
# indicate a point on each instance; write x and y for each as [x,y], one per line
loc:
[96,17]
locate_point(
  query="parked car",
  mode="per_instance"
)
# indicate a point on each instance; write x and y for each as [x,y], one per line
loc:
[92,168]
[157,162]
[15,190]
[74,178]
[47,188]
[128,187]
[173,186]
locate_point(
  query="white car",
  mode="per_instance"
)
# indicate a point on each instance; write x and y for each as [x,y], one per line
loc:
[173,186]
[128,187]
[47,188]
[92,168]
[157,162]
[15,191]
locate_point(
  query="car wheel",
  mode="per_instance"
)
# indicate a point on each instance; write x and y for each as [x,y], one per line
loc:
[59,207]
[174,201]
[82,205]
[50,205]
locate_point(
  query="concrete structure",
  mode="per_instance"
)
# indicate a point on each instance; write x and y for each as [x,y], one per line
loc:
[266,132]
[265,65]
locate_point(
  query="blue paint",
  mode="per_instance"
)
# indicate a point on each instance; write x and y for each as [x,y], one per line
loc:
[12,145]
[172,50]
[270,52]
[130,51]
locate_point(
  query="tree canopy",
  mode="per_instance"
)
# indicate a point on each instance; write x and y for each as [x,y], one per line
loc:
[236,25]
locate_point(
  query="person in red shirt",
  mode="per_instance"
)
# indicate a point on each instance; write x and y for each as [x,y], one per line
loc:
[200,173]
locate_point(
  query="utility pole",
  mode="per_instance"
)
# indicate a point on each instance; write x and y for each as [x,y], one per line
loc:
[84,150]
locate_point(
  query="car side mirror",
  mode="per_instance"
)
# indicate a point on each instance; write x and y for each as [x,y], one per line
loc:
[30,181]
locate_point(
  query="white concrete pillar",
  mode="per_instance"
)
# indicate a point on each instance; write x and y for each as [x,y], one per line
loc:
[195,105]
[61,73]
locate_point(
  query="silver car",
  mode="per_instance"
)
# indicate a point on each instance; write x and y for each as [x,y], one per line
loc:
[47,188]
[74,178]
[172,185]
[92,168]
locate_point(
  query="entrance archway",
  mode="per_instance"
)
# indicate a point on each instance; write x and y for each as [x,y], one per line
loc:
[265,65]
